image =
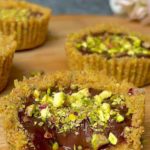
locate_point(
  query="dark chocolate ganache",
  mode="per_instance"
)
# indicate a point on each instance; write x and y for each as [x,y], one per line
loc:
[113,45]
[74,119]
[18,14]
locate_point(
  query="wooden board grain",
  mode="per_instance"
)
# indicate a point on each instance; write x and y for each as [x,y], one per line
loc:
[51,57]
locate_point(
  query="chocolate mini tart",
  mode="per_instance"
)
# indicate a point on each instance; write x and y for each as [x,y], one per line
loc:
[7,50]
[73,111]
[117,51]
[28,20]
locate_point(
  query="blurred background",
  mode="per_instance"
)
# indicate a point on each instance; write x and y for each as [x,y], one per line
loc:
[137,10]
[77,6]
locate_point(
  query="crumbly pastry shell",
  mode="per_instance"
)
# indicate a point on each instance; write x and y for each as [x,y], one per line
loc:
[17,136]
[8,47]
[29,33]
[132,69]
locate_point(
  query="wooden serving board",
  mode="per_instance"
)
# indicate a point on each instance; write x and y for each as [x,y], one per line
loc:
[51,57]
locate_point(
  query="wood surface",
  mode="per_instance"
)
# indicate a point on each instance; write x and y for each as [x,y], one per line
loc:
[51,57]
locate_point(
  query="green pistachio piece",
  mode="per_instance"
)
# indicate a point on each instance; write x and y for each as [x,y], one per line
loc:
[47,99]
[146,52]
[78,99]
[104,116]
[131,53]
[55,146]
[74,86]
[93,117]
[45,113]
[113,51]
[101,116]
[90,40]
[77,104]
[105,94]
[59,99]
[30,110]
[36,94]
[84,44]
[137,41]
[113,113]
[98,99]
[117,100]
[104,112]
[105,107]
[103,47]
[84,92]
[112,139]
[72,117]
[98,141]
[127,46]
[119,118]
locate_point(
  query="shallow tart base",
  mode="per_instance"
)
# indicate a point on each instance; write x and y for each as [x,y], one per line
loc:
[11,103]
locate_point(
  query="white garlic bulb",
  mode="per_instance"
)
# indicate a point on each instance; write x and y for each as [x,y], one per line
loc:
[121,6]
[135,9]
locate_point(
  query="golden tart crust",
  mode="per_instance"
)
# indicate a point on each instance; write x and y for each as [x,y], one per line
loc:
[132,69]
[7,50]
[17,136]
[32,31]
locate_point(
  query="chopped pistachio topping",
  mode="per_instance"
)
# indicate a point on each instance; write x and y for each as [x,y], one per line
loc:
[14,13]
[68,110]
[98,140]
[45,113]
[72,117]
[58,99]
[112,139]
[102,96]
[113,45]
[119,118]
[36,94]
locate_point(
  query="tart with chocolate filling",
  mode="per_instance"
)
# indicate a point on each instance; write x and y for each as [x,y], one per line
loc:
[7,50]
[121,53]
[29,21]
[74,111]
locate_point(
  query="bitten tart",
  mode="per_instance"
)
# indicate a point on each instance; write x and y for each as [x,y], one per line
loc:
[7,50]
[28,20]
[118,51]
[74,111]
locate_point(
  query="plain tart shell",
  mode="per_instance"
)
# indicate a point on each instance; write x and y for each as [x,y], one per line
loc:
[29,33]
[7,50]
[17,136]
[132,69]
